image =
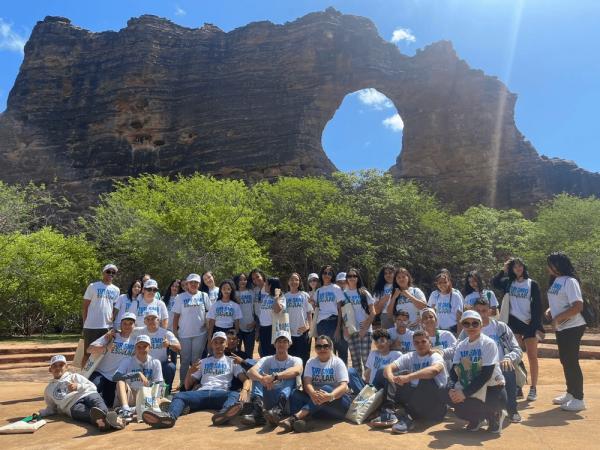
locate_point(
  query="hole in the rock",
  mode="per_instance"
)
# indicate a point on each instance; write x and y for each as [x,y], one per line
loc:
[364,133]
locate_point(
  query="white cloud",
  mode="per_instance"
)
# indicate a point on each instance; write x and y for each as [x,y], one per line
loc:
[9,39]
[374,99]
[180,11]
[403,34]
[394,123]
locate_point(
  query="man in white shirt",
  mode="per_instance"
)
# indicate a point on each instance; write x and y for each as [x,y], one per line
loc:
[207,386]
[415,384]
[97,309]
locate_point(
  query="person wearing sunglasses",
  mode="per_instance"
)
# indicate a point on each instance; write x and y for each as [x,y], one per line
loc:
[477,389]
[98,302]
[379,358]
[329,300]
[325,389]
[415,388]
[149,302]
[401,335]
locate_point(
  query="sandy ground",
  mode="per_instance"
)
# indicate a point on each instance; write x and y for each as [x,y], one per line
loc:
[544,425]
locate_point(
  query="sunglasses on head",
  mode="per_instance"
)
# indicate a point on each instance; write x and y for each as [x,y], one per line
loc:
[110,272]
[467,324]
[322,346]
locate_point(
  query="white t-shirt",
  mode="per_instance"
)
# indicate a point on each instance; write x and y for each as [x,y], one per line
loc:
[270,365]
[487,294]
[102,298]
[520,300]
[331,372]
[412,362]
[405,340]
[328,298]
[265,316]
[359,313]
[298,308]
[491,330]
[192,311]
[404,304]
[140,307]
[224,313]
[376,361]
[216,373]
[151,369]
[157,351]
[213,294]
[170,311]
[563,293]
[246,301]
[123,348]
[446,307]
[475,355]
[387,290]
[123,304]
[442,339]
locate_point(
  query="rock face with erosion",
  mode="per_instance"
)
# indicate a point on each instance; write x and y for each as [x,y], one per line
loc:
[90,108]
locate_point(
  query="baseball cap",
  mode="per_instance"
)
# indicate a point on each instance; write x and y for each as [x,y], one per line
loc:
[283,333]
[313,276]
[142,338]
[341,276]
[58,358]
[128,316]
[431,310]
[218,334]
[193,277]
[150,284]
[150,312]
[109,267]
[470,314]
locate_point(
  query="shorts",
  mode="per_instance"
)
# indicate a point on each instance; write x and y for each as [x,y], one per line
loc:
[131,397]
[92,334]
[521,328]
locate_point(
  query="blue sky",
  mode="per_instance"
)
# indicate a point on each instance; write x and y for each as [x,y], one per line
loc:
[546,51]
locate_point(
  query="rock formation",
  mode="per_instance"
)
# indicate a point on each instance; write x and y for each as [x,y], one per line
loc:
[90,108]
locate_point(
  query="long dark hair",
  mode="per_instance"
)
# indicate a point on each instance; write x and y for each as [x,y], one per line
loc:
[130,290]
[167,295]
[380,283]
[274,283]
[250,284]
[301,285]
[232,296]
[327,268]
[360,288]
[468,289]
[203,285]
[562,264]
[405,272]
[236,280]
[511,265]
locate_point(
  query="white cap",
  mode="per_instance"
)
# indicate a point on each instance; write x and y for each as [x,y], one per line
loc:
[341,276]
[129,315]
[312,275]
[109,267]
[150,312]
[143,338]
[150,284]
[58,358]
[193,277]
[285,334]
[471,314]
[431,310]
[218,334]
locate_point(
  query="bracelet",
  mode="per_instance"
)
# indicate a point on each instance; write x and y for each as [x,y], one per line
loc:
[332,399]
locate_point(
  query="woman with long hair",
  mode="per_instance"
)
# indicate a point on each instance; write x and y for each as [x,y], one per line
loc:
[172,291]
[245,298]
[475,289]
[382,292]
[566,305]
[225,313]
[300,314]
[272,301]
[447,302]
[124,301]
[406,297]
[209,286]
[525,312]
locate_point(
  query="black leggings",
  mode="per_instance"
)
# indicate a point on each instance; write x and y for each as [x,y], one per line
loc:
[568,342]
[106,388]
[473,409]
[81,409]
[424,401]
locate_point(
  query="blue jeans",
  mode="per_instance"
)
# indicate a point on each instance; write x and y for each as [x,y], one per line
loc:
[279,395]
[336,409]
[198,400]
[168,371]
[327,327]
[301,347]
[355,381]
[379,380]
[510,379]
[81,409]
[247,338]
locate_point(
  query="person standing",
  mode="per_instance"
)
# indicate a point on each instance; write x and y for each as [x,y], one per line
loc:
[272,301]
[447,302]
[566,305]
[300,313]
[475,289]
[124,302]
[208,286]
[149,302]
[329,299]
[525,312]
[225,313]
[384,286]
[97,312]
[406,297]
[245,298]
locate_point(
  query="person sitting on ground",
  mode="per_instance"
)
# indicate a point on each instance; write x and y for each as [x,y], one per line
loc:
[325,389]
[380,358]
[232,350]
[139,370]
[443,341]
[118,345]
[400,335]
[207,384]
[75,396]
[509,352]
[416,385]
[477,389]
[162,340]
[274,380]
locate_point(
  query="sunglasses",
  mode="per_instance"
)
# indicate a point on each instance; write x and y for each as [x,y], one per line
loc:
[110,272]
[151,289]
[474,324]
[382,340]
[329,274]
[314,280]
[322,346]
[351,276]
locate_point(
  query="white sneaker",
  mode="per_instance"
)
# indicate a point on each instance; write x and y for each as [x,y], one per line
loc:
[573,405]
[562,399]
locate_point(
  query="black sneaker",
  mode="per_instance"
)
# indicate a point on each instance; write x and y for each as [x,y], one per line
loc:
[288,423]
[226,414]
[520,392]
[404,425]
[475,426]
[300,425]
[496,422]
[255,417]
[158,419]
[273,415]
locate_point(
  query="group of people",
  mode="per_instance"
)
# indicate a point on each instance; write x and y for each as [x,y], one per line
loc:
[428,355]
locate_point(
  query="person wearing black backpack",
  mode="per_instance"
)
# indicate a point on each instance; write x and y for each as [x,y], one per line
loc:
[359,343]
[566,305]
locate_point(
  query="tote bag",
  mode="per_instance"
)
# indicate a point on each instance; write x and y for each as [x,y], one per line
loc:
[365,404]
